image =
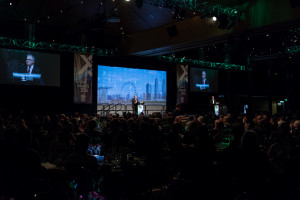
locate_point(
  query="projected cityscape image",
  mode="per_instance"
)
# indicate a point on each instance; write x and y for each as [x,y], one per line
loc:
[118,85]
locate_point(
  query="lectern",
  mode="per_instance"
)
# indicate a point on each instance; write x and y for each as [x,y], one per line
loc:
[140,108]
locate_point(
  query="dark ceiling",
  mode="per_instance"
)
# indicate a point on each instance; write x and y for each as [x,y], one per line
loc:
[65,21]
[100,23]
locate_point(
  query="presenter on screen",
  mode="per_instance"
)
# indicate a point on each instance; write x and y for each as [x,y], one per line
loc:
[204,79]
[31,70]
[134,102]
[204,82]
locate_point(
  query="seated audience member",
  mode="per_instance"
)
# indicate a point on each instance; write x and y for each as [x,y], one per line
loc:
[201,121]
[217,132]
[81,158]
[177,110]
[21,171]
[81,166]
[54,141]
[67,136]
[92,132]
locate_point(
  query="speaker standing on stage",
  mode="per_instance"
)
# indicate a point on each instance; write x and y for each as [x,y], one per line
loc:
[135,104]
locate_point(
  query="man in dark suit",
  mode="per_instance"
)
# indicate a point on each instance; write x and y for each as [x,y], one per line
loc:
[134,102]
[204,82]
[32,69]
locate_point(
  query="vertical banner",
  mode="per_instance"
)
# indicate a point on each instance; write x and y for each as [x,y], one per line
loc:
[83,75]
[182,84]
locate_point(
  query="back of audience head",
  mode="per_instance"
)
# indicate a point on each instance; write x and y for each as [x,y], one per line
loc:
[249,125]
[249,141]
[218,124]
[201,120]
[24,137]
[82,143]
[92,124]
[297,124]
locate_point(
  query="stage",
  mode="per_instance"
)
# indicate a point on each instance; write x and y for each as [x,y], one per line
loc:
[104,109]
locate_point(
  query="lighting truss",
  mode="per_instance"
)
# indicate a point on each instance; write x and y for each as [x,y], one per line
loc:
[292,49]
[201,63]
[25,44]
[201,6]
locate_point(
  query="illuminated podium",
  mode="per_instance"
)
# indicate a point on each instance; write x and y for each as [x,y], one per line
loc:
[140,108]
[27,79]
[26,76]
[202,86]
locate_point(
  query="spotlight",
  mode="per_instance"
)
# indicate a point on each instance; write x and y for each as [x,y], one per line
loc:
[214,18]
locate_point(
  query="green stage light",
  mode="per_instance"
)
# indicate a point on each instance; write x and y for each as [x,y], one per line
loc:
[25,44]
[205,7]
[201,63]
[293,49]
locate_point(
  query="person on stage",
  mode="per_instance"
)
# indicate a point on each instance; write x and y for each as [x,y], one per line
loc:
[135,105]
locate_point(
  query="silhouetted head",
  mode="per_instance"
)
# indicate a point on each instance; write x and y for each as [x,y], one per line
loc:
[82,143]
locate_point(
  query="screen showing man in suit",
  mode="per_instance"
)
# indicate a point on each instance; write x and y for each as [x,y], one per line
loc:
[21,67]
[32,73]
[203,80]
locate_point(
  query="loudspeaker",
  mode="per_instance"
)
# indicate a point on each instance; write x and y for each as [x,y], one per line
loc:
[172,31]
[294,3]
[139,3]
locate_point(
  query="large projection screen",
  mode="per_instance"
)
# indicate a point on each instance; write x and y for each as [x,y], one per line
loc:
[118,85]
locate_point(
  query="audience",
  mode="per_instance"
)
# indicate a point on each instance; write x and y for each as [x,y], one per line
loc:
[223,156]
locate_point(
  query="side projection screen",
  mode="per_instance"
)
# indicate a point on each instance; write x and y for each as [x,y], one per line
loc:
[20,67]
[118,85]
[203,80]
